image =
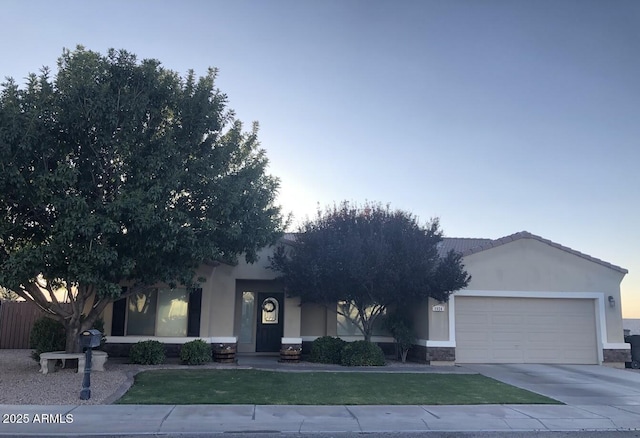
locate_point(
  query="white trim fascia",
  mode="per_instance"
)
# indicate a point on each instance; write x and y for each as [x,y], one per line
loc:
[599,297]
[429,343]
[617,346]
[601,326]
[291,341]
[527,294]
[163,339]
[452,320]
[350,338]
[441,344]
[223,340]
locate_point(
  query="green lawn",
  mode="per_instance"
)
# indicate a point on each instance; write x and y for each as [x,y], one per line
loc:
[279,388]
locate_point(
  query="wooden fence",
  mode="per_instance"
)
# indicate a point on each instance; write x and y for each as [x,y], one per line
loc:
[16,321]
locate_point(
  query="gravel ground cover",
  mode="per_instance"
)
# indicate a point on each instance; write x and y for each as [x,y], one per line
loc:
[21,382]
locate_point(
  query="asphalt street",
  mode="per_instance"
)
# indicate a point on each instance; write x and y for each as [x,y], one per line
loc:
[579,434]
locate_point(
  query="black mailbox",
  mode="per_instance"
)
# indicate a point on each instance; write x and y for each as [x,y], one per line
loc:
[90,338]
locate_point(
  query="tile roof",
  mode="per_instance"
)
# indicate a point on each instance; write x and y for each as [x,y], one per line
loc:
[460,244]
[467,246]
[488,244]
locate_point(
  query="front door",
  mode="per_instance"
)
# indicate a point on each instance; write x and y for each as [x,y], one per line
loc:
[269,327]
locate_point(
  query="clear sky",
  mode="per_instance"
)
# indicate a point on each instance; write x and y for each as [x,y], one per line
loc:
[495,116]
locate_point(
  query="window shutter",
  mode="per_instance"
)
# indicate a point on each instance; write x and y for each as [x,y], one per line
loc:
[195,306]
[118,316]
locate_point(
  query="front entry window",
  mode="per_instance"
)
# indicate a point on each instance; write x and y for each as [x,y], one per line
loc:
[258,316]
[247,317]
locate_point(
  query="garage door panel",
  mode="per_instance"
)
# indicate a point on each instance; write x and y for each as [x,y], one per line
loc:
[481,353]
[544,338]
[580,344]
[577,325]
[480,318]
[525,330]
[574,355]
[507,355]
[505,319]
[506,337]
[478,337]
[541,322]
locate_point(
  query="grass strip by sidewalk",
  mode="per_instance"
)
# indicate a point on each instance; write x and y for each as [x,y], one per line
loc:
[185,387]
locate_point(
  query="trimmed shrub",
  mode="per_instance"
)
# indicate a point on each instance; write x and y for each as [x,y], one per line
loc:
[46,335]
[362,353]
[401,328]
[327,349]
[195,352]
[147,353]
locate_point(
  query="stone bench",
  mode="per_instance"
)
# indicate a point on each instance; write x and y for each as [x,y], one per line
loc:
[48,360]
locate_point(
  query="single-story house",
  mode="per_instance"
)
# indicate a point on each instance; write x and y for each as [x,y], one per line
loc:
[530,300]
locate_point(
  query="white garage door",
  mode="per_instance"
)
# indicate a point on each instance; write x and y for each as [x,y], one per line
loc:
[525,330]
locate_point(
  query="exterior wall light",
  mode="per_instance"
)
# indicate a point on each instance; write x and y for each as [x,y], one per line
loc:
[612,301]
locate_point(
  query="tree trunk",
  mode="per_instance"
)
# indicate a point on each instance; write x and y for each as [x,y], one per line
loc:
[72,344]
[74,327]
[366,330]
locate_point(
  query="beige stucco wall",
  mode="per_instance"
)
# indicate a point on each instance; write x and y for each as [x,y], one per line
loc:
[313,320]
[528,264]
[218,302]
[531,265]
[107,317]
[292,313]
[316,320]
[438,321]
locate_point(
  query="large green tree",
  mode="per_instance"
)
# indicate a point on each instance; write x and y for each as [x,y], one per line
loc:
[7,295]
[370,256]
[115,171]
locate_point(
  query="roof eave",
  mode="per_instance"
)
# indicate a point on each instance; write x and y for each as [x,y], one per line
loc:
[528,235]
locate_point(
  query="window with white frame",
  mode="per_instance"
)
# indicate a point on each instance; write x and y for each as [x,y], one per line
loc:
[158,312]
[350,324]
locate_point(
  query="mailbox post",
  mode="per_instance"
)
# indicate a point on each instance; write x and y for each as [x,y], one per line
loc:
[88,339]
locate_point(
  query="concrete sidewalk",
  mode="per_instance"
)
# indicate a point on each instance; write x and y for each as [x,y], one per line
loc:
[194,419]
[579,414]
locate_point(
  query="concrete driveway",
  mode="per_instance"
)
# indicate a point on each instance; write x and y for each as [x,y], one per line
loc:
[575,385]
